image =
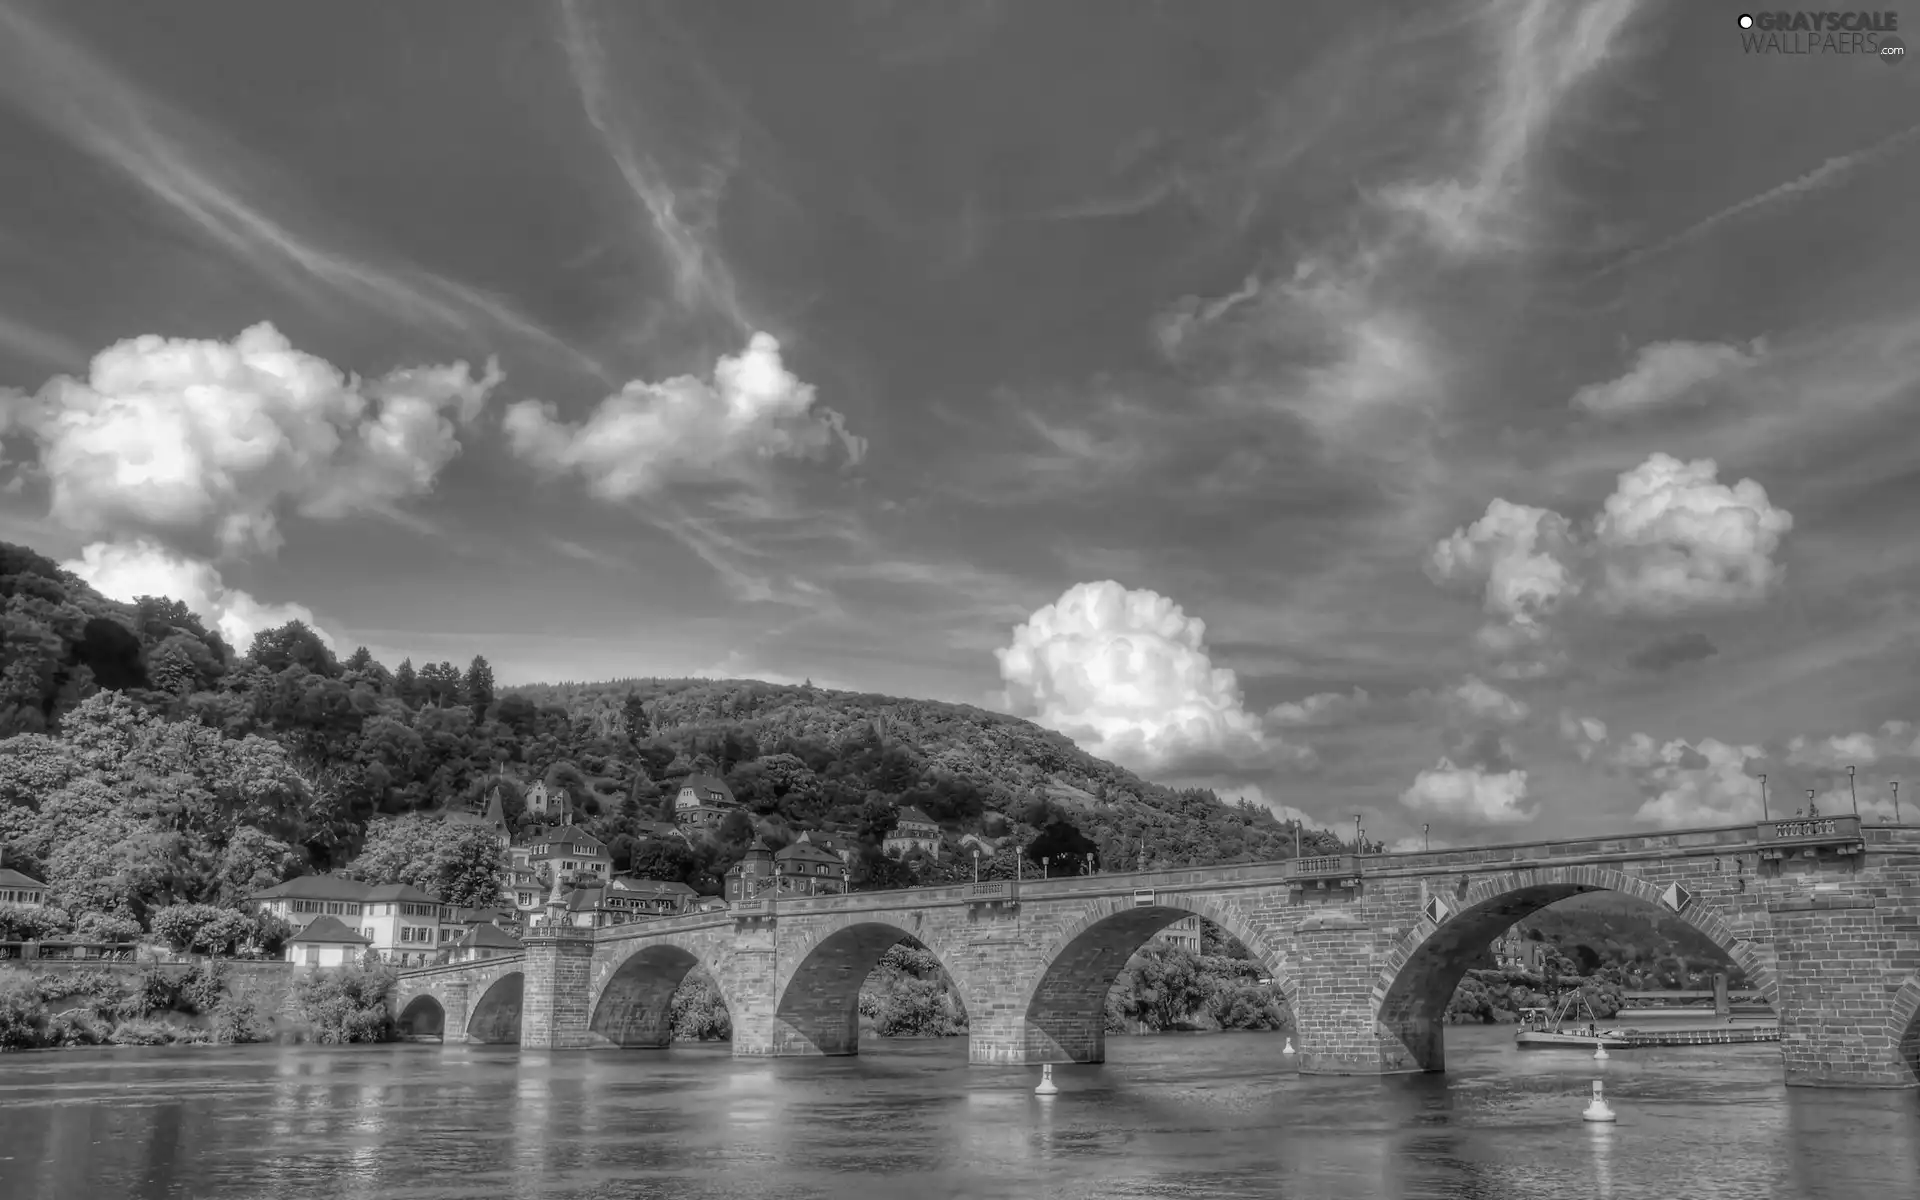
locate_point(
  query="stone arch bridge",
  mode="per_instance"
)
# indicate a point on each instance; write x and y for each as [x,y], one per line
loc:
[1824,917]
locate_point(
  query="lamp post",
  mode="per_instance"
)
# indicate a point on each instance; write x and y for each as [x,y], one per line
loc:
[1896,802]
[976,866]
[1089,862]
[846,881]
[1426,833]
[1356,833]
[1853,794]
[1813,810]
[1763,799]
[1045,871]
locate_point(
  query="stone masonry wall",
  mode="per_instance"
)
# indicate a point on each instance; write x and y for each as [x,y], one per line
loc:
[1338,954]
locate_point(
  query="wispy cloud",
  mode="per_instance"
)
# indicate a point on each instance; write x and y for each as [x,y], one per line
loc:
[684,215]
[1827,174]
[169,155]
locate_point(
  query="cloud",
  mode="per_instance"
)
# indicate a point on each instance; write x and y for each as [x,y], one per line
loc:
[1672,538]
[1668,653]
[1708,782]
[1545,49]
[1669,540]
[1664,373]
[1127,676]
[686,430]
[128,570]
[684,219]
[1320,709]
[1470,795]
[1481,701]
[1189,315]
[1586,734]
[1832,171]
[1894,740]
[171,156]
[210,442]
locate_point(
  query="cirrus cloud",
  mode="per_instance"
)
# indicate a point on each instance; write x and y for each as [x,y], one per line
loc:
[651,435]
[1664,373]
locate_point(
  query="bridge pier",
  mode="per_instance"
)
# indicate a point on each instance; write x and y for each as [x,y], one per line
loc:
[1838,991]
[456,1003]
[1335,1005]
[555,1013]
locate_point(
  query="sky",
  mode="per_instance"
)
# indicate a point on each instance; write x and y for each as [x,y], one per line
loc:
[1489,421]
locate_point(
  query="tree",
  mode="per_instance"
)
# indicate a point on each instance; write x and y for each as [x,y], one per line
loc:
[460,863]
[479,686]
[633,716]
[202,928]
[1166,987]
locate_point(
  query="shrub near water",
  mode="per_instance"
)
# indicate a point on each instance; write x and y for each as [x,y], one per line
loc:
[345,1005]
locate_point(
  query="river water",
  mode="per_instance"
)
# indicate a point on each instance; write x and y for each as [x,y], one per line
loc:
[1176,1116]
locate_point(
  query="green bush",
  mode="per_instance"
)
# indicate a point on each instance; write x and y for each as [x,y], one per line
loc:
[237,1018]
[202,988]
[698,1014]
[76,1027]
[142,1031]
[22,1019]
[349,1004]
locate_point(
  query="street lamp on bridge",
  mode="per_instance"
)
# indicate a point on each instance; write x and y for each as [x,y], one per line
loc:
[1853,794]
[976,864]
[1763,799]
[1896,801]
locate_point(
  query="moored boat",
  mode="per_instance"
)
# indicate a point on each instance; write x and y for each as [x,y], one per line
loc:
[1543,1029]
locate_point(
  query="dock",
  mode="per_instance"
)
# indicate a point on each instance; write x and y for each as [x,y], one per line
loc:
[1714,1035]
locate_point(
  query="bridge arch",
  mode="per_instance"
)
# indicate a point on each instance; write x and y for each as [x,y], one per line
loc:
[632,1005]
[1903,1026]
[1065,1006]
[1427,963]
[495,1015]
[818,1006]
[422,1016]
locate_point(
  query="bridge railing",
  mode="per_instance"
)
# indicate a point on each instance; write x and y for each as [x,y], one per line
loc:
[459,968]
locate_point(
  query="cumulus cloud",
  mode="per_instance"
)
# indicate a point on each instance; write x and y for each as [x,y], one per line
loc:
[1470,794]
[1664,373]
[209,442]
[128,570]
[1669,540]
[1319,709]
[1126,675]
[1673,538]
[1708,782]
[685,429]
[1585,734]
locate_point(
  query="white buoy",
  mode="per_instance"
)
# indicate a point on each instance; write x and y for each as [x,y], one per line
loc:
[1289,1047]
[1600,1051]
[1598,1110]
[1047,1087]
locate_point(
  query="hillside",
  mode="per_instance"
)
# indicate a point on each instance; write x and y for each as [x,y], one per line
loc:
[147,763]
[149,759]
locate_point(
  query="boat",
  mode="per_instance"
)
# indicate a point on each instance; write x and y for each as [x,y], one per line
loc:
[1543,1029]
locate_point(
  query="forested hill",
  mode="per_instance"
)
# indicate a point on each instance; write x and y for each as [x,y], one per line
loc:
[147,758]
[957,763]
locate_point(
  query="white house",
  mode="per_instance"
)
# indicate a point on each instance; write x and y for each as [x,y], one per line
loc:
[914,830]
[570,852]
[21,891]
[703,801]
[325,942]
[401,922]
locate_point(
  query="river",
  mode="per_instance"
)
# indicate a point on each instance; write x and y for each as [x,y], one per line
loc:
[1177,1116]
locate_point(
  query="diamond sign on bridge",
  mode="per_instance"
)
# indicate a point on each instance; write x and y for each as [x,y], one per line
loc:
[1436,911]
[1676,897]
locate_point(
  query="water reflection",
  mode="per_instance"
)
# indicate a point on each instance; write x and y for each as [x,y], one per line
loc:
[1189,1117]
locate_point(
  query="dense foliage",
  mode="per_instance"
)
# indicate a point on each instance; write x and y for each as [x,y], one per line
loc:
[90,1007]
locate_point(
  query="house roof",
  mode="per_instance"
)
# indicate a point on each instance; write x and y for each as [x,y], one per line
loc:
[406,893]
[652,887]
[315,887]
[488,937]
[14,879]
[826,841]
[807,852]
[568,835]
[709,789]
[328,931]
[913,816]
